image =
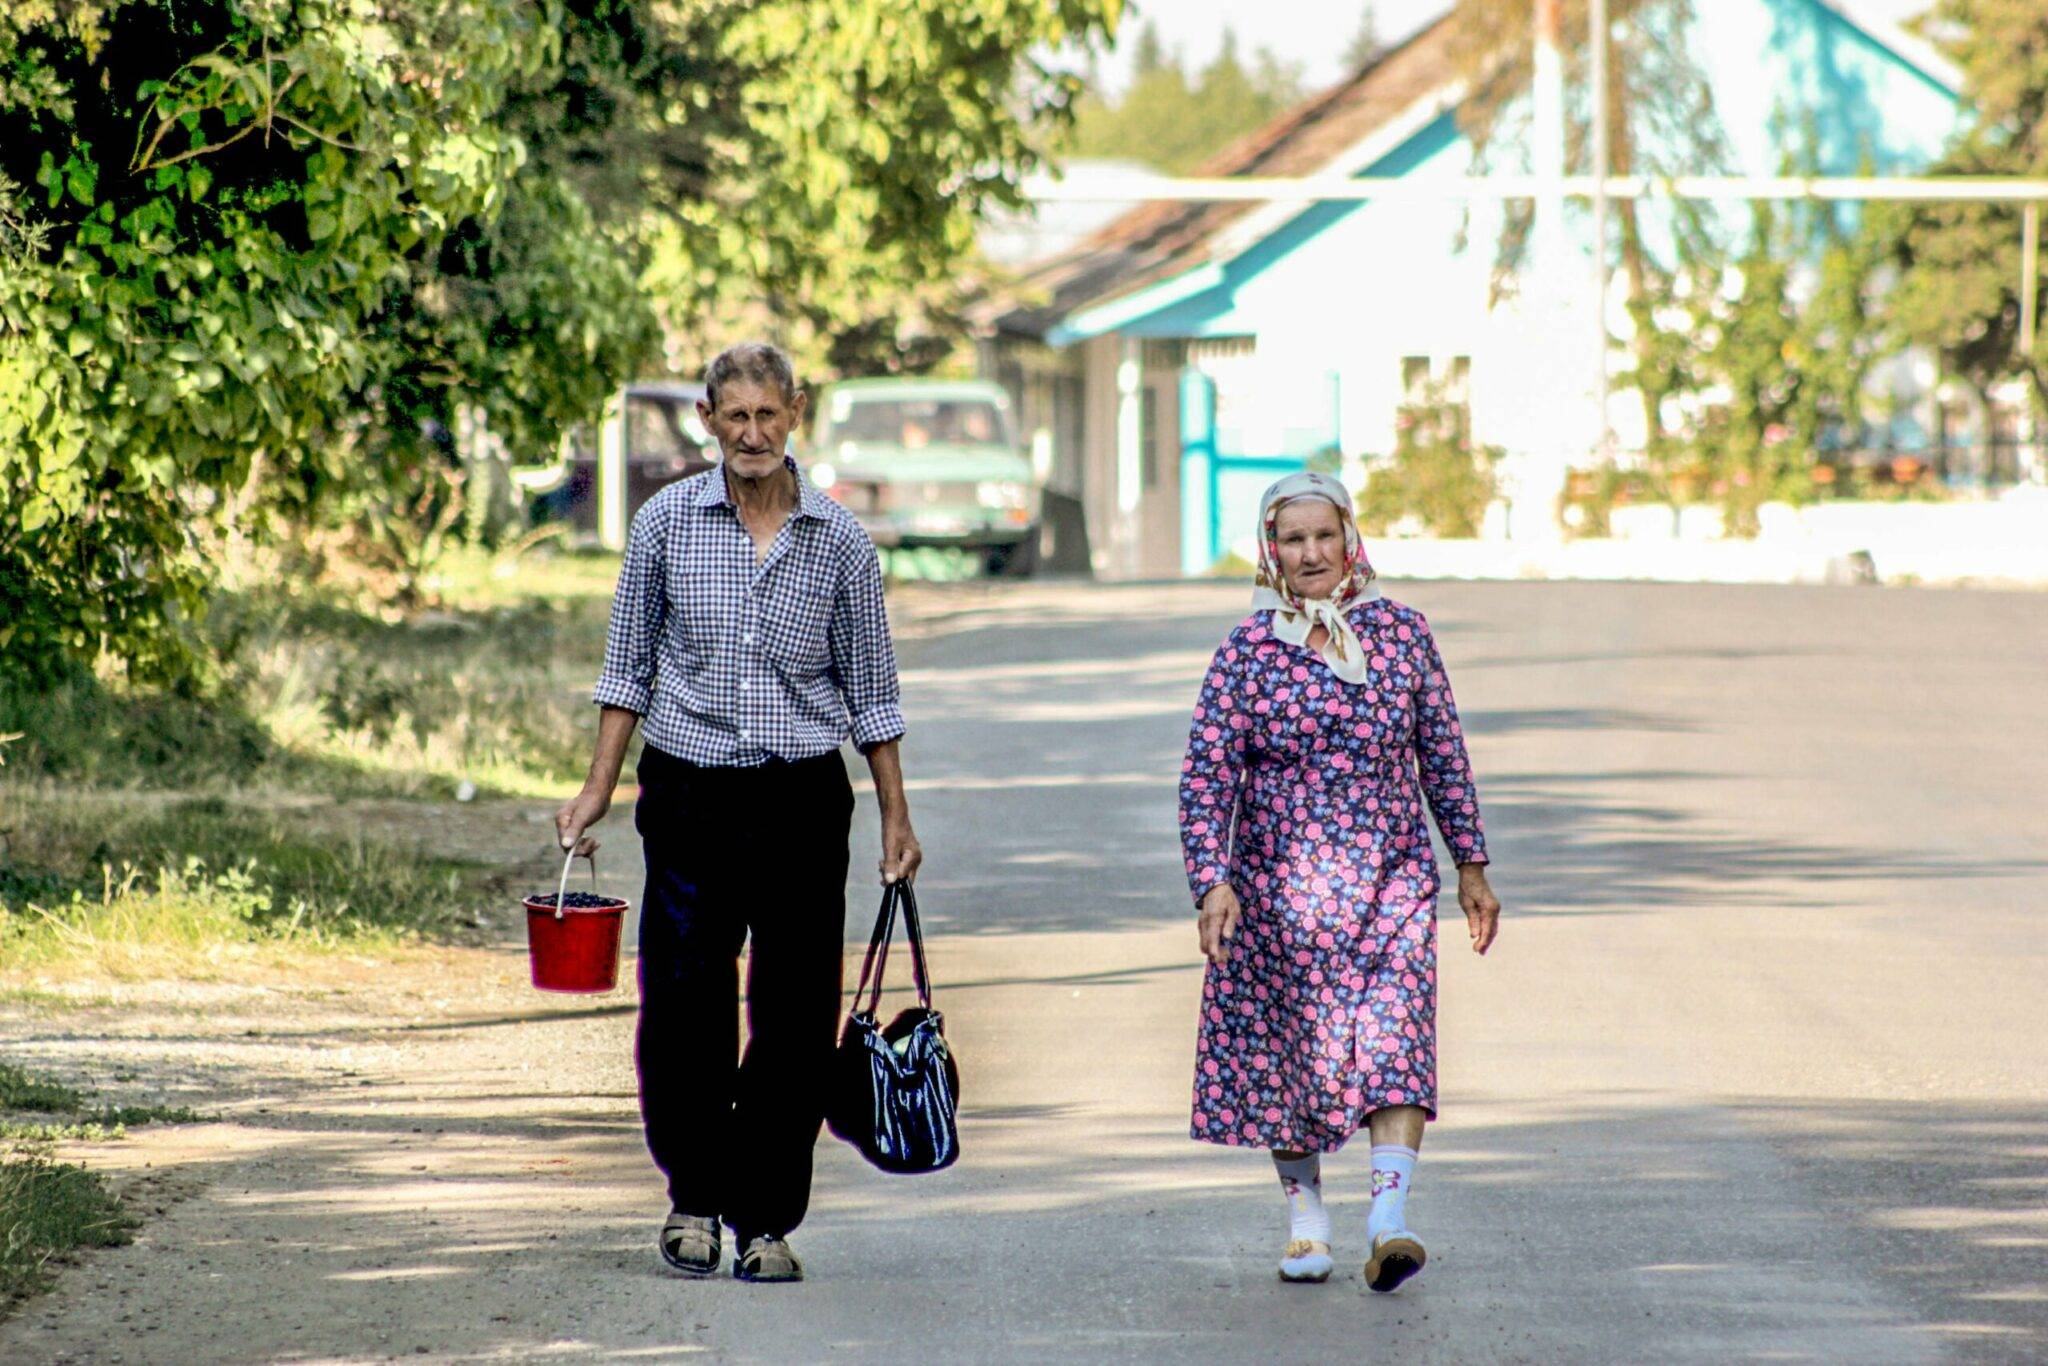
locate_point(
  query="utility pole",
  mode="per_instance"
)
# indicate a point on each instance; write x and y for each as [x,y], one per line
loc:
[1546,133]
[1597,36]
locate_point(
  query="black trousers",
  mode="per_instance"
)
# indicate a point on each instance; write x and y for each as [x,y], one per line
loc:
[734,853]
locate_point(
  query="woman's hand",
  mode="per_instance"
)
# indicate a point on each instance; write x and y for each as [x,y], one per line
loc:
[581,812]
[1220,912]
[1482,907]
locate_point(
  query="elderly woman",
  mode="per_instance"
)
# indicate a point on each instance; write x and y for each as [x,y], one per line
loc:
[1324,723]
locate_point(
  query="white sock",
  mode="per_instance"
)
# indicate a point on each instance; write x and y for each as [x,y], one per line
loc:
[1393,1172]
[1302,1179]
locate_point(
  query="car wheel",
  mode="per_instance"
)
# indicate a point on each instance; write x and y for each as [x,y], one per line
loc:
[1018,561]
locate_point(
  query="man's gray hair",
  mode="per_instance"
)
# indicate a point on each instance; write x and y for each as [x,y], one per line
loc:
[755,363]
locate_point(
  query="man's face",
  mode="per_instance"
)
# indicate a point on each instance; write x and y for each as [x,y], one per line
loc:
[752,423]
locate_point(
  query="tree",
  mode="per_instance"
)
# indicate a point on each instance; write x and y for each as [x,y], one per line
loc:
[1365,45]
[225,198]
[1958,289]
[1175,123]
[1661,121]
[255,253]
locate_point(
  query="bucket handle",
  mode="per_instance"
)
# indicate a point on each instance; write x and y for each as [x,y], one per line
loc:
[562,888]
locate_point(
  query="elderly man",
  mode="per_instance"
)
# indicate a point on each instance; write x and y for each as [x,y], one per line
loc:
[748,637]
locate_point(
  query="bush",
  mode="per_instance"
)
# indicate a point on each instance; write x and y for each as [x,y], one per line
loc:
[1435,476]
[47,1210]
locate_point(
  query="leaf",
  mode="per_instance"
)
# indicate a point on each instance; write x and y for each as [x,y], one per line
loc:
[320,224]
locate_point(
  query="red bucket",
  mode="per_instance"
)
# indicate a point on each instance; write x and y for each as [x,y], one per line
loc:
[574,948]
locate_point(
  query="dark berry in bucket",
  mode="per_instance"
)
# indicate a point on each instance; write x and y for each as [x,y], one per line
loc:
[578,901]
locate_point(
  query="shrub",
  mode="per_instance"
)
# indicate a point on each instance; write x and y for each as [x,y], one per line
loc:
[1435,476]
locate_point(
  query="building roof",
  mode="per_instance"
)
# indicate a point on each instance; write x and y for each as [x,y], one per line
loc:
[1161,240]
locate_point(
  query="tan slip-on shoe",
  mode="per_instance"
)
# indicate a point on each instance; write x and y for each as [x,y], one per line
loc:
[1395,1257]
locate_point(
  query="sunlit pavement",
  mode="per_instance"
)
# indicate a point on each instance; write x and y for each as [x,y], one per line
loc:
[1756,1069]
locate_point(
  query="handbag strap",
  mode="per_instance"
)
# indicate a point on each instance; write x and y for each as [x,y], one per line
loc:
[876,965]
[874,969]
[920,972]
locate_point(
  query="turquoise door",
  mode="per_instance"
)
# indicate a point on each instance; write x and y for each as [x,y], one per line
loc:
[1223,471]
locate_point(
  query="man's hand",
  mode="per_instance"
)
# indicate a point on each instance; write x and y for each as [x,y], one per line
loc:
[1220,912]
[901,853]
[1482,907]
[583,810]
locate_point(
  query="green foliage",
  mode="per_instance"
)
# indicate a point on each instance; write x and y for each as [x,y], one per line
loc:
[1660,117]
[1435,475]
[171,890]
[324,690]
[815,169]
[226,197]
[1959,264]
[1365,44]
[1176,122]
[258,259]
[25,1092]
[48,1210]
[1748,382]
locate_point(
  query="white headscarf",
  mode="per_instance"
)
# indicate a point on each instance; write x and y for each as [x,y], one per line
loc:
[1295,617]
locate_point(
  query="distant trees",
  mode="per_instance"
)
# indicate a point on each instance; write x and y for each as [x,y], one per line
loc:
[1366,42]
[1958,290]
[1175,121]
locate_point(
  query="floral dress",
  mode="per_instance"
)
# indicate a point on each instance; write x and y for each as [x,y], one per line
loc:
[1306,794]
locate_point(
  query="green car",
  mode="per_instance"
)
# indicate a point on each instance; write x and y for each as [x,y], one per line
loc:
[925,462]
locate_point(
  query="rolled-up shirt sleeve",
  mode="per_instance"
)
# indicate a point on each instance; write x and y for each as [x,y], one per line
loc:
[863,656]
[639,606]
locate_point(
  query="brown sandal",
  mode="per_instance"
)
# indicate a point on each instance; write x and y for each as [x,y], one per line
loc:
[767,1258]
[689,1243]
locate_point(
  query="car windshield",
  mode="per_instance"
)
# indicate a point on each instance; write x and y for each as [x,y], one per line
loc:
[913,423]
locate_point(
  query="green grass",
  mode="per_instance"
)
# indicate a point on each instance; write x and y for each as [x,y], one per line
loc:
[49,1210]
[319,690]
[197,887]
[22,1090]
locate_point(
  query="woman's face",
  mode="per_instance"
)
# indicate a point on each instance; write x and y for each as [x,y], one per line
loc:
[1310,535]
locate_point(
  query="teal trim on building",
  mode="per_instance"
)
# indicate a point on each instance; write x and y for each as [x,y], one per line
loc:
[1212,311]
[1118,313]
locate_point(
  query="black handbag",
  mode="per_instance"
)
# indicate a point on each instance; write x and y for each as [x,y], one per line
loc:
[896,1090]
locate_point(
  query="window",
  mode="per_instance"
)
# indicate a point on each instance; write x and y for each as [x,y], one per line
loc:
[1414,378]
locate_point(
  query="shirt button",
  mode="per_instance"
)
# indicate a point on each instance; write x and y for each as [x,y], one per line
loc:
[748,637]
[743,685]
[745,736]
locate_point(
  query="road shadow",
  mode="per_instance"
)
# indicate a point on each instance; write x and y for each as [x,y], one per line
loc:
[1616,1227]
[1045,750]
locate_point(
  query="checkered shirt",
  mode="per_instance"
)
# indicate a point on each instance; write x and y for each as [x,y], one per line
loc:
[731,663]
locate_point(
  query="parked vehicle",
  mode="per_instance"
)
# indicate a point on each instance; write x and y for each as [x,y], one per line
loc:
[664,441]
[924,462]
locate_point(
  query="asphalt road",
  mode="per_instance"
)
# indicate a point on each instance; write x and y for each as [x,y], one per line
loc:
[1756,1070]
